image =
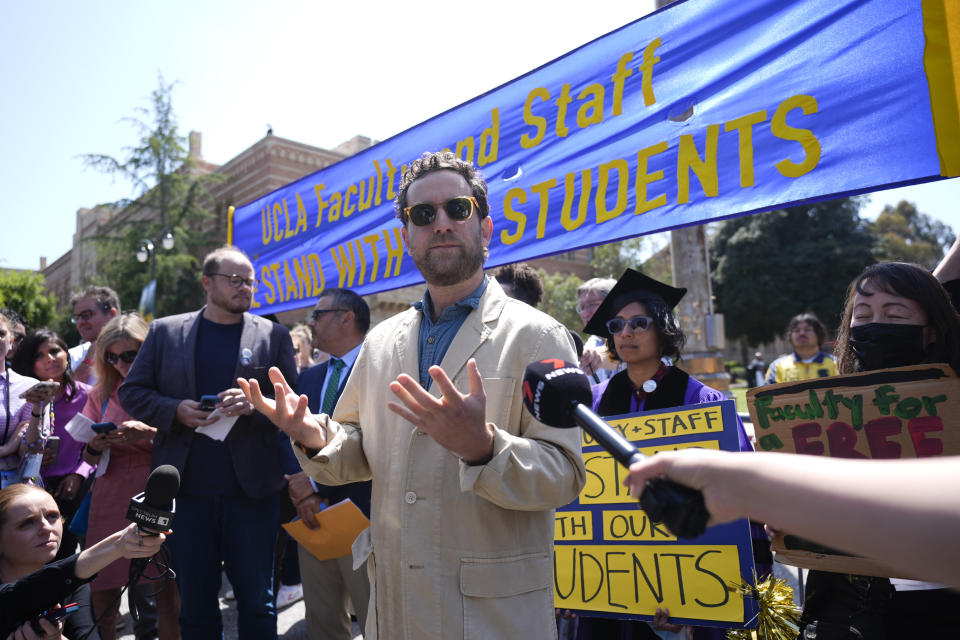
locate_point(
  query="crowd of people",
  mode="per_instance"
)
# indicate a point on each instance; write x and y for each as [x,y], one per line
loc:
[419,421]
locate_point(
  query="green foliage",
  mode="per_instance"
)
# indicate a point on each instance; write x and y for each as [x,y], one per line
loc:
[25,293]
[172,194]
[560,298]
[904,234]
[611,260]
[766,268]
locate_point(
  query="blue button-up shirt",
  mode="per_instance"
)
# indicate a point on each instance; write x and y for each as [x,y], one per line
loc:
[436,337]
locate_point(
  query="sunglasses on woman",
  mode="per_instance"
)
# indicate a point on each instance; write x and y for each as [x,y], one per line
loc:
[637,323]
[458,209]
[126,356]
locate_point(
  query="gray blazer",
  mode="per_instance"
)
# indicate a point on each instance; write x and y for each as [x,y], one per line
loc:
[164,373]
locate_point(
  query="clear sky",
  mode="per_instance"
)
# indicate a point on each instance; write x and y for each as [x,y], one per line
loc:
[319,72]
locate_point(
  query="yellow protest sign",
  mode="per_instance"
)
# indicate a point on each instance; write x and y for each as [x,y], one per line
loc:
[611,560]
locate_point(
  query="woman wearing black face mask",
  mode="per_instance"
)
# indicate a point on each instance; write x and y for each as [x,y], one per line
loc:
[896,314]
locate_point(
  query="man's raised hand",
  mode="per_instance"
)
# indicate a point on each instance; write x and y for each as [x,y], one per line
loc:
[289,411]
[456,421]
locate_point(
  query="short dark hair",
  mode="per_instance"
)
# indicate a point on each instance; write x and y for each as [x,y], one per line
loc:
[440,161]
[669,332]
[811,320]
[349,299]
[26,356]
[211,261]
[915,283]
[13,317]
[526,282]
[106,297]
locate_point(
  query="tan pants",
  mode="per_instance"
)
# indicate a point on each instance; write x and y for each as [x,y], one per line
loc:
[328,588]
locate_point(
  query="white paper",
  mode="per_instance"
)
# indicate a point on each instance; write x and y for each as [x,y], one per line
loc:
[80,429]
[102,463]
[219,429]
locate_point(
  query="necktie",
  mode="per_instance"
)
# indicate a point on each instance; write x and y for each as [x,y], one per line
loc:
[333,384]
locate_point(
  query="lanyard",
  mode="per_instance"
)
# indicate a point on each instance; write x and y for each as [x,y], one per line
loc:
[6,403]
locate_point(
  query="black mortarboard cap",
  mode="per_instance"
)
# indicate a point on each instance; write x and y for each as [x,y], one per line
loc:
[631,286]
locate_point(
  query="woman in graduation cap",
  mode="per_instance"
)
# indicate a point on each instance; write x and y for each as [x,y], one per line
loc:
[642,330]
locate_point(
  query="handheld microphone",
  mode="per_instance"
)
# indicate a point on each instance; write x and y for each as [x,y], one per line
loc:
[557,393]
[153,510]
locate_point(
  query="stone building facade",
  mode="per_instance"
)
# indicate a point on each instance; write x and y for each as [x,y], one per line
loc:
[268,164]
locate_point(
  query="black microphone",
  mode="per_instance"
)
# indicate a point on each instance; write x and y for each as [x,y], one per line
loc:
[557,393]
[153,510]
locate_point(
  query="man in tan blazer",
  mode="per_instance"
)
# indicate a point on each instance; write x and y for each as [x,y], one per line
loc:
[464,479]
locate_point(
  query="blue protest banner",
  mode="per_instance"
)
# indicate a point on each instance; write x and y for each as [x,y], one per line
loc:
[610,560]
[705,110]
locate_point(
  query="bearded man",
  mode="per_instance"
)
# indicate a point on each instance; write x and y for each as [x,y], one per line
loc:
[465,480]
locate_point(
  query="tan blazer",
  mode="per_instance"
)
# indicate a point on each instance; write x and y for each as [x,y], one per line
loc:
[458,551]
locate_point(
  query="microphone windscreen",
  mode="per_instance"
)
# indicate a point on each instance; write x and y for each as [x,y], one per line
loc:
[551,388]
[162,487]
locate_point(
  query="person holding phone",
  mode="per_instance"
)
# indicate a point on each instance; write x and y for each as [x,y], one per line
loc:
[43,354]
[16,410]
[123,454]
[31,583]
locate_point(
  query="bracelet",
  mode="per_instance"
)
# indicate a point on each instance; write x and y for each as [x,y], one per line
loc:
[93,452]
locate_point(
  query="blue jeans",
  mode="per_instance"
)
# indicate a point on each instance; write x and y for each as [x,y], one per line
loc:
[241,533]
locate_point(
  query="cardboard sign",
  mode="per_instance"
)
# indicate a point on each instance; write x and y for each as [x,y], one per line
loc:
[611,561]
[888,414]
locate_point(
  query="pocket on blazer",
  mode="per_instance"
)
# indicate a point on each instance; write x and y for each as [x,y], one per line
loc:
[512,595]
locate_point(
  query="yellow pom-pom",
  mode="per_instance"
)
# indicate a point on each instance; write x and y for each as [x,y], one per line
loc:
[779,616]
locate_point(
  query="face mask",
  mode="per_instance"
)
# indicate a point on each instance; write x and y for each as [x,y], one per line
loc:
[883,346]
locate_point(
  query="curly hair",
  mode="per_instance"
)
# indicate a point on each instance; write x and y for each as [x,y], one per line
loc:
[915,283]
[670,336]
[440,161]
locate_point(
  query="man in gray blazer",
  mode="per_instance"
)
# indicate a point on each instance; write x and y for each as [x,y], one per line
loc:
[230,486]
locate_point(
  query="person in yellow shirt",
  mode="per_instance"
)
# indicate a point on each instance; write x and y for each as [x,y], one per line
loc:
[808,360]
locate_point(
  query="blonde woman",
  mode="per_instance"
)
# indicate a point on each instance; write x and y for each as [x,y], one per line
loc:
[124,456]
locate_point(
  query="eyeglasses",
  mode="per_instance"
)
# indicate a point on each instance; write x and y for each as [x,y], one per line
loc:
[637,323]
[18,337]
[237,281]
[127,356]
[458,209]
[83,316]
[316,314]
[588,304]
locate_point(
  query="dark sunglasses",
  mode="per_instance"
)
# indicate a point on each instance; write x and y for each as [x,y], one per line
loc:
[126,356]
[637,323]
[458,209]
[316,314]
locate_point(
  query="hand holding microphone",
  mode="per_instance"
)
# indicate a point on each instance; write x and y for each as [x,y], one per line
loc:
[557,393]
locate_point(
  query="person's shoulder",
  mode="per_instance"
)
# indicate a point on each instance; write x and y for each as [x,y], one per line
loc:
[515,311]
[175,320]
[388,327]
[313,371]
[703,392]
[779,360]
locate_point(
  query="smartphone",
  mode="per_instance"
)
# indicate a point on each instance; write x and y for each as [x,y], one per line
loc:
[54,616]
[44,385]
[53,444]
[209,403]
[52,449]
[103,427]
